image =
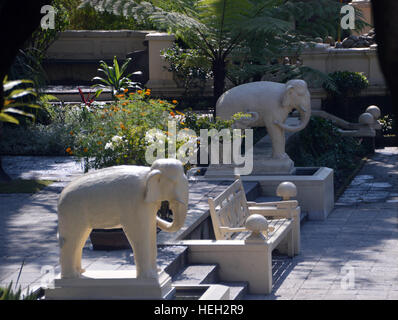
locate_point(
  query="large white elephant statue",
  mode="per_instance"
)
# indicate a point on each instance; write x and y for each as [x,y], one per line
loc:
[269,104]
[121,196]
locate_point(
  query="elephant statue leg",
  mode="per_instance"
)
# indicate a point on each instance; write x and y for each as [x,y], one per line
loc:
[71,251]
[277,136]
[143,242]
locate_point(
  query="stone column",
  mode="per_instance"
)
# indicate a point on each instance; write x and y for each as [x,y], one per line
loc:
[160,80]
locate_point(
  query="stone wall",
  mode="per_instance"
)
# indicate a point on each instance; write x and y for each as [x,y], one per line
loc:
[96,44]
[74,57]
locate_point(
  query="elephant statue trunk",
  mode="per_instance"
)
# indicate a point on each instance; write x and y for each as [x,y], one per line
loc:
[305,117]
[179,210]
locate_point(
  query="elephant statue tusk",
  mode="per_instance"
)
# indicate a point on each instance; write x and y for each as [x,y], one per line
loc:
[302,109]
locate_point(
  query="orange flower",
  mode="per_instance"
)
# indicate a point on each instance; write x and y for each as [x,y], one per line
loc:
[85,150]
[99,142]
[124,103]
[120,95]
[68,150]
[148,93]
[71,133]
[126,90]
[175,101]
[161,101]
[172,114]
[139,91]
[122,126]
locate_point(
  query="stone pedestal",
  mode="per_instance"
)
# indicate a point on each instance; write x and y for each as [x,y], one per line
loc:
[160,79]
[111,285]
[273,166]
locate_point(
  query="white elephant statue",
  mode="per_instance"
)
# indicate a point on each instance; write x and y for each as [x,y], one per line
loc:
[269,104]
[121,196]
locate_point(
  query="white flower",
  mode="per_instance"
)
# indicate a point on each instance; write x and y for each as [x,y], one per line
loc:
[117,139]
[155,135]
[109,145]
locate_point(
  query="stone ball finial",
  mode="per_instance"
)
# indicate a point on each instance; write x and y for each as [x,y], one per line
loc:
[256,223]
[286,190]
[366,118]
[374,111]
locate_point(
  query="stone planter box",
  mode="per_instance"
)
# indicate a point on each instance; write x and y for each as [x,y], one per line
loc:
[109,239]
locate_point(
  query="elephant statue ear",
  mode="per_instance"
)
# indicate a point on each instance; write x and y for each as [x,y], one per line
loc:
[287,98]
[152,190]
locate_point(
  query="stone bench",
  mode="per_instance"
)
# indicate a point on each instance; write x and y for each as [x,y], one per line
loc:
[230,212]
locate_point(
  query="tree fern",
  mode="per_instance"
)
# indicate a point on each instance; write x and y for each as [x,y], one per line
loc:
[239,37]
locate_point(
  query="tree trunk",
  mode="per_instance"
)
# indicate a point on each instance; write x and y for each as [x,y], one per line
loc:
[219,74]
[385,14]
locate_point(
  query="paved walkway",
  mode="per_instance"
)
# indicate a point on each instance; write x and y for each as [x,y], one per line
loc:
[351,255]
[354,253]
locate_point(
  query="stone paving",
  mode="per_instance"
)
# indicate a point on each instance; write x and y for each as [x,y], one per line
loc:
[351,255]
[354,253]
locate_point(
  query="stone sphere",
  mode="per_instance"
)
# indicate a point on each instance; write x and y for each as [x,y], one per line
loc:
[256,223]
[286,190]
[374,111]
[366,118]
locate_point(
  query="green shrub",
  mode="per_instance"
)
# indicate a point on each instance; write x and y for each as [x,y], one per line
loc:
[9,294]
[89,19]
[388,125]
[320,144]
[346,83]
[191,69]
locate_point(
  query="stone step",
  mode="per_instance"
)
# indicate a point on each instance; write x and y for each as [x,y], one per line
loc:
[195,274]
[237,290]
[177,258]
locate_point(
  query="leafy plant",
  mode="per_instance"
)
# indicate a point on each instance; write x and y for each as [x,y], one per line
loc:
[321,144]
[191,69]
[115,134]
[388,125]
[114,77]
[9,294]
[13,102]
[346,83]
[88,101]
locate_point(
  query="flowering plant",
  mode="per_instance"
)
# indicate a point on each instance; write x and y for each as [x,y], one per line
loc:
[116,134]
